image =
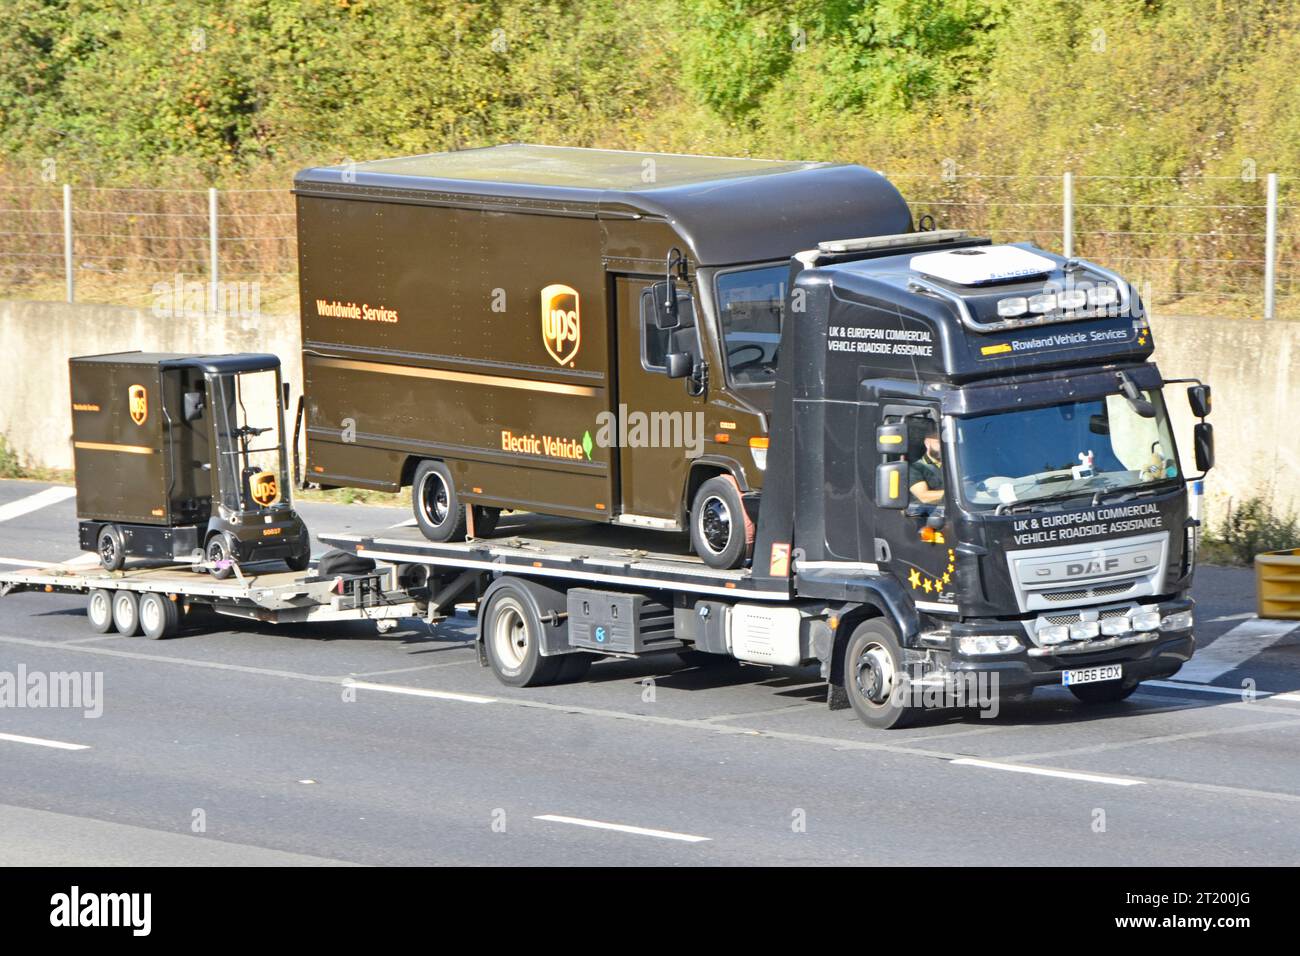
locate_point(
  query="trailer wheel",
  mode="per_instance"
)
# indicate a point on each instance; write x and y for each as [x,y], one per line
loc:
[218,550]
[438,509]
[99,610]
[1109,692]
[718,524]
[512,635]
[159,616]
[874,676]
[112,551]
[574,667]
[126,613]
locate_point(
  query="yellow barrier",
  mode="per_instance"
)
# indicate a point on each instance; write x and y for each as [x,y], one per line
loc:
[1277,584]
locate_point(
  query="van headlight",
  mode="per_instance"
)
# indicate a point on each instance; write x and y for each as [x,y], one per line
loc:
[975,645]
[1177,621]
[758,448]
[1145,620]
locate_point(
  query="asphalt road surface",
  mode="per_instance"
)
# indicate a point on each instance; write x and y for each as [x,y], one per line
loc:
[245,745]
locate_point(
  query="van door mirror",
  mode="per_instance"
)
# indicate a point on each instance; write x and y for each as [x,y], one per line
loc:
[1203,440]
[678,364]
[891,485]
[1198,396]
[193,410]
[284,394]
[665,303]
[891,439]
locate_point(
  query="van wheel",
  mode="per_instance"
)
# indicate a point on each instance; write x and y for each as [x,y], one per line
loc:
[300,560]
[1109,692]
[874,676]
[126,613]
[99,610]
[718,524]
[112,552]
[437,507]
[159,616]
[512,633]
[218,550]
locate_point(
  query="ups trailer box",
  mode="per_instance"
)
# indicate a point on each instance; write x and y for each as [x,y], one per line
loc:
[485,326]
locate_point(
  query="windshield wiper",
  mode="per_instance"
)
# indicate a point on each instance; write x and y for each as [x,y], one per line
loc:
[1130,492]
[1039,499]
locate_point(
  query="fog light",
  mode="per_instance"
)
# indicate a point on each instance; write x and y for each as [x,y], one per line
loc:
[1103,295]
[1114,626]
[1055,634]
[1073,299]
[1042,303]
[1145,620]
[976,644]
[1084,630]
[1178,621]
[1016,305]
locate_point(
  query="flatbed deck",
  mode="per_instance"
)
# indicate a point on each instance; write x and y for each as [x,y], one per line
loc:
[544,546]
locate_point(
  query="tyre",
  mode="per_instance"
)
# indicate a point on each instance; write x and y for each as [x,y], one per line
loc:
[99,610]
[574,667]
[112,551]
[218,551]
[718,525]
[301,559]
[159,616]
[1106,692]
[875,678]
[438,509]
[693,658]
[126,613]
[485,520]
[512,637]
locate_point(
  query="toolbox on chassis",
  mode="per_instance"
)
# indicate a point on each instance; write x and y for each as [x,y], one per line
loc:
[182,458]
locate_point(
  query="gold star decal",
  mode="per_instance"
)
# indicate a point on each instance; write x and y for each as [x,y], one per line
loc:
[914,578]
[951,555]
[1142,340]
[927,585]
[944,579]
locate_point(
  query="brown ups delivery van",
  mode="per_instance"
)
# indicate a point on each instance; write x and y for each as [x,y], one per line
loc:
[575,332]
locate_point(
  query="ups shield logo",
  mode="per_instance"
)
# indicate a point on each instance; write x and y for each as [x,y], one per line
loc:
[139,403]
[561,326]
[264,488]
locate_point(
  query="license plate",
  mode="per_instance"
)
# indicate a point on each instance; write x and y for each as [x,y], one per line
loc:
[1092,675]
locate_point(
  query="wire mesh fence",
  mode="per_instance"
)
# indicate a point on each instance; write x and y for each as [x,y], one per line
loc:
[1194,245]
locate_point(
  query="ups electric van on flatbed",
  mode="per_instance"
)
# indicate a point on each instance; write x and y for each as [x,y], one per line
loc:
[928,462]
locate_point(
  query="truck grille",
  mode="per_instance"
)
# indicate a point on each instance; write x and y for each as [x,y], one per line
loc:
[1084,594]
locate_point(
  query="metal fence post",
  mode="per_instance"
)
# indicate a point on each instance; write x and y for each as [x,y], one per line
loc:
[212,250]
[1270,247]
[1067,214]
[67,240]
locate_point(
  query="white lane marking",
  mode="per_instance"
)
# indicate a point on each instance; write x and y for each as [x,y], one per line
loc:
[27,564]
[41,499]
[1288,696]
[408,523]
[42,742]
[79,560]
[1229,651]
[420,692]
[1046,772]
[624,828]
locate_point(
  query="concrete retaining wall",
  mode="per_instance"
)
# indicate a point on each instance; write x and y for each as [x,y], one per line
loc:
[1249,364]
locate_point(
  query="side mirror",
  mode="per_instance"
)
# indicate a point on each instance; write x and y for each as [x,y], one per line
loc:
[891,485]
[665,305]
[193,409]
[1198,396]
[284,394]
[891,439]
[1203,440]
[678,364]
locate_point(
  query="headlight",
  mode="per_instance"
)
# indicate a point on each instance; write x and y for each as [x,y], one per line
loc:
[1016,305]
[1103,295]
[1055,634]
[1114,626]
[758,448]
[1084,630]
[1042,304]
[977,644]
[1145,620]
[1073,299]
[1178,621]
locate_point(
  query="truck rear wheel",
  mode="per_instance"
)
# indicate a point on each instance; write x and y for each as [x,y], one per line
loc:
[99,610]
[438,509]
[112,551]
[159,616]
[126,613]
[875,677]
[718,533]
[512,633]
[1107,692]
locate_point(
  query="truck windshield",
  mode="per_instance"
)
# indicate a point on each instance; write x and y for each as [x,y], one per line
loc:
[751,304]
[249,445]
[1076,448]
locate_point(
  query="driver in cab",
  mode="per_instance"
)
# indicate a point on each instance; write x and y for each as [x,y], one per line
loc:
[925,475]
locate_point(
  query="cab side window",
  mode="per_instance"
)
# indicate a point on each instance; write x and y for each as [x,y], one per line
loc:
[656,343]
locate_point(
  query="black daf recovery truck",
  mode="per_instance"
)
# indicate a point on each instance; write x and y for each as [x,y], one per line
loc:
[970,486]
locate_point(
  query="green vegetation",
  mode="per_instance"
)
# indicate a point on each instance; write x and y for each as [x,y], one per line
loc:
[1248,529]
[12,466]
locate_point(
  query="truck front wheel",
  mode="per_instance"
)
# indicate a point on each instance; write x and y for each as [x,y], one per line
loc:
[112,552]
[438,509]
[512,633]
[875,678]
[718,529]
[220,557]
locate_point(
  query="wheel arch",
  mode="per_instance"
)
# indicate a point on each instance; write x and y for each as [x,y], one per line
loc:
[542,600]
